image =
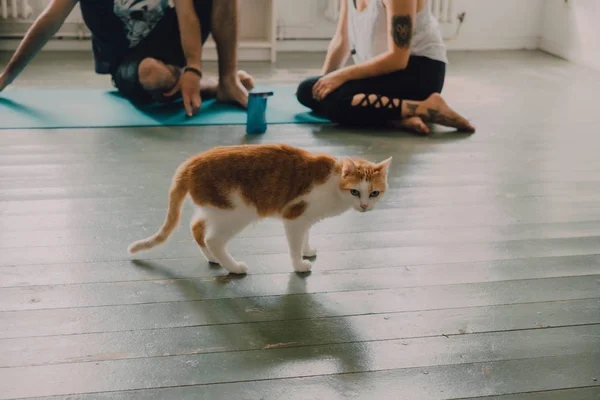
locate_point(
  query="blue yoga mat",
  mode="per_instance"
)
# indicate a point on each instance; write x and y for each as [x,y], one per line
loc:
[90,108]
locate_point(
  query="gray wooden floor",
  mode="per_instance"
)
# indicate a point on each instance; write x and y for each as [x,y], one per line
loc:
[477,277]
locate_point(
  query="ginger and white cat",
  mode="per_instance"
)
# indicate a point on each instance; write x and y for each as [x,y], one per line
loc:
[237,185]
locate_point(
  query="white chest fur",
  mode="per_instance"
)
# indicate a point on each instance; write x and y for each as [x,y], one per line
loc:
[326,200]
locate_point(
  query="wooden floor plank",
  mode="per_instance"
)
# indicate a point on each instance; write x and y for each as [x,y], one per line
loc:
[417,150]
[291,307]
[190,268]
[280,363]
[172,288]
[277,334]
[371,235]
[138,225]
[389,256]
[584,393]
[449,382]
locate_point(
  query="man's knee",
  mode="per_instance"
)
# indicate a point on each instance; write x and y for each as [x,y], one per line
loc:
[144,81]
[153,74]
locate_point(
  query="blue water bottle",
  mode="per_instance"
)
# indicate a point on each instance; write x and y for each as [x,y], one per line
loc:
[256,121]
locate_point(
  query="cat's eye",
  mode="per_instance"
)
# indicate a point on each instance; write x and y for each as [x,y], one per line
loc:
[374,193]
[354,192]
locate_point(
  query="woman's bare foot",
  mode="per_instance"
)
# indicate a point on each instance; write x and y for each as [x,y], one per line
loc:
[435,109]
[414,124]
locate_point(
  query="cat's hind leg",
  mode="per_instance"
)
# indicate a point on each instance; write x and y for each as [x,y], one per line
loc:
[221,226]
[198,228]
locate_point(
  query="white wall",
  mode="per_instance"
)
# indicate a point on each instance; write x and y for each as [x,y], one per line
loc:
[489,24]
[572,30]
[498,24]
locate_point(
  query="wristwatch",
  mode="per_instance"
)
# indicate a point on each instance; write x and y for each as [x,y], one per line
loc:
[194,70]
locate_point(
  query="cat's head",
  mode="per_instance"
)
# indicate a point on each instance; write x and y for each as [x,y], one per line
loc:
[364,182]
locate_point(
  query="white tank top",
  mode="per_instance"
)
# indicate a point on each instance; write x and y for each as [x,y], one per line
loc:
[368,35]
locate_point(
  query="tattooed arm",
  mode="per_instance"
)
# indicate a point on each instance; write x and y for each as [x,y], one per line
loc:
[401,19]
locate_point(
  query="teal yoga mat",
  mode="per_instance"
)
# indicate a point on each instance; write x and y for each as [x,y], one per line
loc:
[97,108]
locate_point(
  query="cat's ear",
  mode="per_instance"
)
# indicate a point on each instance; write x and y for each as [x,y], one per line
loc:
[383,166]
[348,167]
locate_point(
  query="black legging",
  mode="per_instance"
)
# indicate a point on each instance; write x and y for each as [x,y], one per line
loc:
[422,77]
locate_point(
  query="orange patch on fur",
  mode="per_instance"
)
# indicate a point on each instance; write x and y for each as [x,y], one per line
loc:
[268,177]
[295,210]
[198,231]
[365,171]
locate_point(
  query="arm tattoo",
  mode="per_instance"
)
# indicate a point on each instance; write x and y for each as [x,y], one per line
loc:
[402,30]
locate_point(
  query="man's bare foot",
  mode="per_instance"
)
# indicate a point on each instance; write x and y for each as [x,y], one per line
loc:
[246,79]
[435,109]
[209,86]
[414,124]
[235,90]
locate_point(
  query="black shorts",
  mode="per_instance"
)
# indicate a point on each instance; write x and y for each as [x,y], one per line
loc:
[164,44]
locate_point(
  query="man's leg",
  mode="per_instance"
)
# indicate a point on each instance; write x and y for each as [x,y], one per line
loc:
[152,80]
[224,27]
[156,76]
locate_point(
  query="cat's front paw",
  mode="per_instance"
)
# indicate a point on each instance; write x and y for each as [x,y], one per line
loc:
[309,252]
[238,269]
[302,266]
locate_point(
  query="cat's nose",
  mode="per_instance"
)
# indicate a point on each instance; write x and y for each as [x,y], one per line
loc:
[363,206]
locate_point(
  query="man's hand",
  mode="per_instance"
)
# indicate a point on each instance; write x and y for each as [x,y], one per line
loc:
[190,91]
[191,41]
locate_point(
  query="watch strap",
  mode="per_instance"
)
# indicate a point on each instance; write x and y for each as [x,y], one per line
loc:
[193,70]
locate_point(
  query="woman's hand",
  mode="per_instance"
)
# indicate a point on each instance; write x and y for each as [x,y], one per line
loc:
[328,84]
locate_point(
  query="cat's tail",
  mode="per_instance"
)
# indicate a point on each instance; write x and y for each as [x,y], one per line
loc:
[177,192]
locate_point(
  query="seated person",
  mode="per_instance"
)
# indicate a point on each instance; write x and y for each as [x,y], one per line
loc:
[398,74]
[151,48]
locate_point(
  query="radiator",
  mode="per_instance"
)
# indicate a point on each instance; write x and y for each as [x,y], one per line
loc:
[442,10]
[15,9]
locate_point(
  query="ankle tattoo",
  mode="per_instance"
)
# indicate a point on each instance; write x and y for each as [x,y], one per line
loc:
[432,114]
[412,108]
[435,116]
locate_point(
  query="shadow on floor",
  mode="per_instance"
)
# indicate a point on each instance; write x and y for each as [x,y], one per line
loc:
[297,309]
